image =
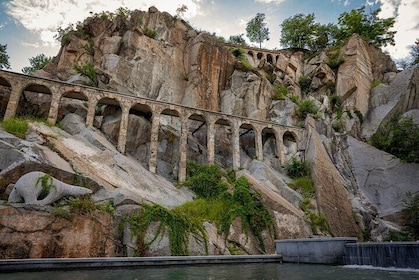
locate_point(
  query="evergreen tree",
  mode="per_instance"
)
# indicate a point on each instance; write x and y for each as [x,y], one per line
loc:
[38,62]
[4,58]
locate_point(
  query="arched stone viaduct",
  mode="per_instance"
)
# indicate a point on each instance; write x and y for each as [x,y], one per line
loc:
[18,83]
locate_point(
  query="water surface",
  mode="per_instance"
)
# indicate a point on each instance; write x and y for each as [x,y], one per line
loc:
[220,272]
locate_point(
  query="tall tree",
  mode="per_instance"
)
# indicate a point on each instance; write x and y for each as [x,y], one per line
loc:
[237,39]
[301,31]
[415,53]
[256,29]
[4,58]
[38,62]
[369,26]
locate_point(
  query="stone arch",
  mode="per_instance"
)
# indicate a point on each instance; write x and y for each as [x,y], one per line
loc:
[197,139]
[269,143]
[289,140]
[73,101]
[223,148]
[251,54]
[108,114]
[5,91]
[139,132]
[34,101]
[269,58]
[168,151]
[259,56]
[247,142]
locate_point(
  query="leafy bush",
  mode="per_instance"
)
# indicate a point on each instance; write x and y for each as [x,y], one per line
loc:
[205,180]
[306,107]
[297,169]
[238,52]
[150,33]
[304,82]
[400,137]
[82,205]
[334,101]
[334,61]
[87,70]
[281,92]
[410,213]
[16,126]
[319,222]
[305,185]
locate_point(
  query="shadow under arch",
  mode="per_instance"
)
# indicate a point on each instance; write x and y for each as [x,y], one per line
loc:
[197,139]
[247,142]
[5,91]
[73,102]
[289,140]
[34,101]
[223,148]
[269,143]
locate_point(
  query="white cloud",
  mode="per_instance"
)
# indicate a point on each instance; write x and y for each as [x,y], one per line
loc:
[44,17]
[406,13]
[270,1]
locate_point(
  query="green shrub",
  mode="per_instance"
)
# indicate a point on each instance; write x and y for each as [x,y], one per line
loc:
[16,126]
[305,185]
[400,137]
[46,185]
[359,115]
[334,101]
[319,222]
[61,212]
[205,180]
[304,83]
[238,52]
[151,33]
[87,70]
[81,205]
[271,77]
[281,92]
[297,169]
[375,84]
[306,107]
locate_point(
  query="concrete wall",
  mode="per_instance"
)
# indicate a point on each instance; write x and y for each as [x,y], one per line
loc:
[324,250]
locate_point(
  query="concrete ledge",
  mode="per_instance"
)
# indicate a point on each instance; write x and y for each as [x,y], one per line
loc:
[86,263]
[324,250]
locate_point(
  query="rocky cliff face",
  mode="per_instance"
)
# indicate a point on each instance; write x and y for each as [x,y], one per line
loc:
[358,189]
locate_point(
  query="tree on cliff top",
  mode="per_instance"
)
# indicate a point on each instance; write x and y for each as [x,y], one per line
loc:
[369,26]
[37,62]
[256,29]
[4,58]
[415,53]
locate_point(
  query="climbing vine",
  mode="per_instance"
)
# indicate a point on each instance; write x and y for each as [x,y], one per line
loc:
[46,185]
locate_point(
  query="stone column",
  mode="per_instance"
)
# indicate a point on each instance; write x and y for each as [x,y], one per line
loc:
[183,149]
[91,110]
[236,146]
[279,145]
[53,110]
[13,101]
[123,127]
[258,144]
[210,140]
[154,142]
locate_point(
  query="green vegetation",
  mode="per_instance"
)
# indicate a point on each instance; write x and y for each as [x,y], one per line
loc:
[179,227]
[256,29]
[221,199]
[87,70]
[304,185]
[38,62]
[4,57]
[414,52]
[297,169]
[334,61]
[334,101]
[281,92]
[46,185]
[16,126]
[410,218]
[237,40]
[400,137]
[319,222]
[305,108]
[304,82]
[375,83]
[151,33]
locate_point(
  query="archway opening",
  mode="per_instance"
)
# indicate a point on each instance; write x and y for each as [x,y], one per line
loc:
[168,151]
[139,133]
[5,91]
[260,55]
[269,58]
[73,102]
[269,144]
[35,102]
[223,148]
[108,115]
[197,139]
[247,141]
[290,145]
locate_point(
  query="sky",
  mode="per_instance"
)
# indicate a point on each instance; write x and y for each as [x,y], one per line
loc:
[28,26]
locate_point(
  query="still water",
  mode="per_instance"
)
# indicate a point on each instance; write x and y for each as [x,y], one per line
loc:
[219,272]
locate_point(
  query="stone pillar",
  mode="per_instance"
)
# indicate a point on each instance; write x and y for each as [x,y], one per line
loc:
[91,110]
[258,144]
[236,146]
[123,127]
[210,141]
[53,110]
[279,146]
[13,101]
[183,149]
[154,143]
